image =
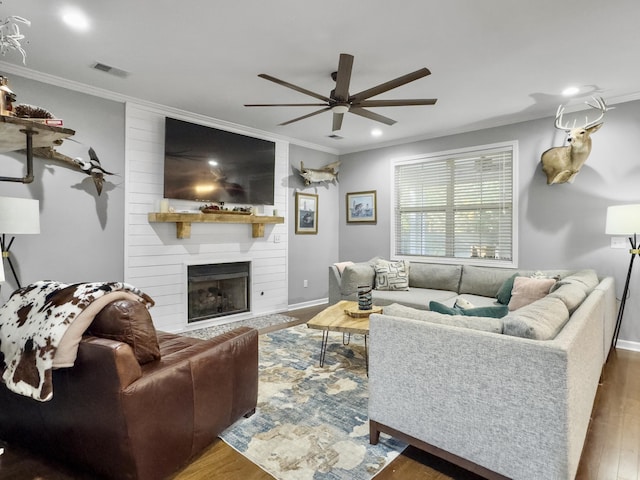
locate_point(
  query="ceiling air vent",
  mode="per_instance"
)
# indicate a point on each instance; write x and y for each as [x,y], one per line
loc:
[110,70]
[335,137]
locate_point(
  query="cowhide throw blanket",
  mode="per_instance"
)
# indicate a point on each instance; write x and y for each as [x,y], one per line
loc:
[35,319]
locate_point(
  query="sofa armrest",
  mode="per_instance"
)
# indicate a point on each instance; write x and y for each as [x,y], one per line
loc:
[101,352]
[335,284]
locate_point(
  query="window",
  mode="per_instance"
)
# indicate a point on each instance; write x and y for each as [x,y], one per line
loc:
[456,205]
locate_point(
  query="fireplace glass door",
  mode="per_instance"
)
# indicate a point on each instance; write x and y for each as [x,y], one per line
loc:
[217,290]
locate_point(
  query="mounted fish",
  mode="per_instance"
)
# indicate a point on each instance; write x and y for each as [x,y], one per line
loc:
[328,173]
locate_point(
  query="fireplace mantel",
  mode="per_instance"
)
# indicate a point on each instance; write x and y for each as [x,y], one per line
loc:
[183,221]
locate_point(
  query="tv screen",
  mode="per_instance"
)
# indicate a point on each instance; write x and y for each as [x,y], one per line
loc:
[211,165]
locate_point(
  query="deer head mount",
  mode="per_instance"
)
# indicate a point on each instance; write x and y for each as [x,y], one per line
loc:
[562,164]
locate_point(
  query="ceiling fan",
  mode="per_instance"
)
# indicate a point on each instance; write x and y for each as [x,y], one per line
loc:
[340,102]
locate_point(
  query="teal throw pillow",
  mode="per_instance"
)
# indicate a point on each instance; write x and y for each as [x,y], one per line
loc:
[504,293]
[497,311]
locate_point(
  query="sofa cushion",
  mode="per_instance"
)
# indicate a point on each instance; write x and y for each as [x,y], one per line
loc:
[495,311]
[486,324]
[585,279]
[392,275]
[504,292]
[435,276]
[361,273]
[128,321]
[540,320]
[414,297]
[484,281]
[527,290]
[571,294]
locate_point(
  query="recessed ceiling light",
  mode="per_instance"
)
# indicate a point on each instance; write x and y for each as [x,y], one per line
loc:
[76,19]
[569,91]
[376,132]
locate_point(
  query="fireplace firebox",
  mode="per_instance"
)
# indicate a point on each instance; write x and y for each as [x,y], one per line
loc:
[216,290]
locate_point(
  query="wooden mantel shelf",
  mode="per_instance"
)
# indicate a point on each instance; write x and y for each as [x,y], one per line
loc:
[183,221]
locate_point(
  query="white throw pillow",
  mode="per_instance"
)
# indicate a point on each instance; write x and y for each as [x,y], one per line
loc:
[392,275]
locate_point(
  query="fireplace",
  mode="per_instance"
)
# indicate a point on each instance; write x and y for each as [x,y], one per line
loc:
[217,290]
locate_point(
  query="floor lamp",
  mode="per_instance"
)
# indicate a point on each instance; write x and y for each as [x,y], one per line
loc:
[17,216]
[624,220]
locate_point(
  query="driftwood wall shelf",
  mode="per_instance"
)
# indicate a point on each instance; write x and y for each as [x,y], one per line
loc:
[183,221]
[22,134]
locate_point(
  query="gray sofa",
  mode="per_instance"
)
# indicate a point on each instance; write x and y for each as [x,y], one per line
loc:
[512,401]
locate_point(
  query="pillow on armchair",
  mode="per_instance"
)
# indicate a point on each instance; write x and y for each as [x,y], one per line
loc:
[128,321]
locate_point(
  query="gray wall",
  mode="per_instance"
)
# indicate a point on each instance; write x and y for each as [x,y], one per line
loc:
[82,233]
[311,255]
[560,226]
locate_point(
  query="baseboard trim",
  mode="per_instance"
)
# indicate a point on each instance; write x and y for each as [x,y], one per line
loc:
[627,345]
[310,303]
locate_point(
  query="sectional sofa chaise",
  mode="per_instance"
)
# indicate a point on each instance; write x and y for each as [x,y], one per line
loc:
[507,397]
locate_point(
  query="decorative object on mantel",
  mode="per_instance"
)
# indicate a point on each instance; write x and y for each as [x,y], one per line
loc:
[306,213]
[624,220]
[362,207]
[562,164]
[10,35]
[220,208]
[18,216]
[328,173]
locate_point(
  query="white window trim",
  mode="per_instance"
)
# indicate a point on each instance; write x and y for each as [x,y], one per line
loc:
[513,263]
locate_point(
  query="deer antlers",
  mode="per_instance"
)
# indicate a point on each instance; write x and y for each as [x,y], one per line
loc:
[600,105]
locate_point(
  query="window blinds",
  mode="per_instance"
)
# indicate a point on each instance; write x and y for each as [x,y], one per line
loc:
[455,206]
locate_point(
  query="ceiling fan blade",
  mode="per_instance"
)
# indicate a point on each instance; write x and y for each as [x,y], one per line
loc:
[396,103]
[391,84]
[294,87]
[337,121]
[343,78]
[285,104]
[371,116]
[305,116]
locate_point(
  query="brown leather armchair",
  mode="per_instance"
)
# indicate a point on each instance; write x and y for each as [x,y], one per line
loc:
[119,419]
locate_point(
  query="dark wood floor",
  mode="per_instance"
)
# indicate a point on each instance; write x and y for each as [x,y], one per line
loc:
[611,451]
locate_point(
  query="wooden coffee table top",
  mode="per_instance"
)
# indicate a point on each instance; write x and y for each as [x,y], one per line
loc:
[335,319]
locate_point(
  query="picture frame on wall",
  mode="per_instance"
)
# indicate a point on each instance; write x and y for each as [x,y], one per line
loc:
[362,207]
[306,213]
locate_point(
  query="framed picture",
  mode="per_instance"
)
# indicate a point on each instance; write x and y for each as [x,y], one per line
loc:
[306,213]
[361,207]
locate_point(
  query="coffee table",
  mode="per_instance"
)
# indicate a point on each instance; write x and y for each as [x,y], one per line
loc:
[334,319]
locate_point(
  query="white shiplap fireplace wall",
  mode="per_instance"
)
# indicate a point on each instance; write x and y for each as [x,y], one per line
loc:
[155,260]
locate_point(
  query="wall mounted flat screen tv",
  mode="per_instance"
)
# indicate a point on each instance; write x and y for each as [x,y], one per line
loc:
[206,164]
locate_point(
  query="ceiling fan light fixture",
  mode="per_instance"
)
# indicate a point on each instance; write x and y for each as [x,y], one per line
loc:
[341,108]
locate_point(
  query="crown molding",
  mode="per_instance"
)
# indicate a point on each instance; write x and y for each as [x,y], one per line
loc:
[117,97]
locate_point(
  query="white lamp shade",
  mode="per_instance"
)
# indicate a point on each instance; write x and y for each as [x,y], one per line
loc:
[1,271]
[19,215]
[623,220]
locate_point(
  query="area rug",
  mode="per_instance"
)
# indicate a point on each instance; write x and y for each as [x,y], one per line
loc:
[263,322]
[311,423]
